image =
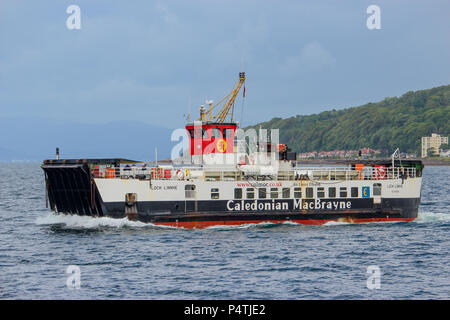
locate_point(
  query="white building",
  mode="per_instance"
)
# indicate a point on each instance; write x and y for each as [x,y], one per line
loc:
[445,153]
[433,142]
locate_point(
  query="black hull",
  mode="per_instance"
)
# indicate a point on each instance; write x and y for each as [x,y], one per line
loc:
[168,213]
[71,189]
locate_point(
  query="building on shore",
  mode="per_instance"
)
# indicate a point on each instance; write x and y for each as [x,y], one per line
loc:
[364,153]
[434,142]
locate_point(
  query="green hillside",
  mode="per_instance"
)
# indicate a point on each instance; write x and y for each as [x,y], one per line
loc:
[388,124]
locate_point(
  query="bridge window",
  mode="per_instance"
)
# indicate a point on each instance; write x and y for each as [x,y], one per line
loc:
[250,193]
[354,192]
[238,193]
[332,192]
[262,193]
[227,133]
[216,133]
[309,192]
[321,192]
[273,193]
[286,192]
[297,192]
[343,192]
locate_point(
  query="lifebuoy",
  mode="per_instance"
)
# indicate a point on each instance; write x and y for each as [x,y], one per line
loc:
[179,174]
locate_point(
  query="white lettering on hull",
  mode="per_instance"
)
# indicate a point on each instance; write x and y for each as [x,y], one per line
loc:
[298,204]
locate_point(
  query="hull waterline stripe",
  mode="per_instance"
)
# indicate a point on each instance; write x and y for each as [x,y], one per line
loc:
[205,224]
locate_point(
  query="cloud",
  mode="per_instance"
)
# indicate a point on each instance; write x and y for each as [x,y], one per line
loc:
[152,57]
[167,16]
[313,57]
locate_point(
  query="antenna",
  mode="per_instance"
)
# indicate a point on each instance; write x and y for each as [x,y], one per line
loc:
[396,152]
[190,106]
[209,102]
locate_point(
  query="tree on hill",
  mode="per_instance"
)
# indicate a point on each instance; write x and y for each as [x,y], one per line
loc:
[389,124]
[431,152]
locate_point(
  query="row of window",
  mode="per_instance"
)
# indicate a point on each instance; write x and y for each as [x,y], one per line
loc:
[210,133]
[274,193]
[285,193]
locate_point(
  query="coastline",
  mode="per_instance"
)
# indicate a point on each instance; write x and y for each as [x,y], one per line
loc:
[426,162]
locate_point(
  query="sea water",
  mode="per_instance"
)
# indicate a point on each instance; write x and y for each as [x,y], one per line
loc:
[48,256]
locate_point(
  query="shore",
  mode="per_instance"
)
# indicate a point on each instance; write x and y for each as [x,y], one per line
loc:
[426,161]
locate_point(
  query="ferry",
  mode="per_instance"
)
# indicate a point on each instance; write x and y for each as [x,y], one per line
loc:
[231,176]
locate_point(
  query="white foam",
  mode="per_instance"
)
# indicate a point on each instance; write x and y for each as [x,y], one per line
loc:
[336,223]
[427,216]
[240,226]
[88,222]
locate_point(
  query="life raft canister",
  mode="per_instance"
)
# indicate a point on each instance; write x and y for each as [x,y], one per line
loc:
[157,173]
[380,172]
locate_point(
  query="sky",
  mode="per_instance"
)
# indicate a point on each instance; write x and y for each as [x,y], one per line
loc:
[155,61]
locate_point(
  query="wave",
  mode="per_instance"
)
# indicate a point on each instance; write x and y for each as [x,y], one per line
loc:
[88,222]
[428,216]
[263,224]
[336,223]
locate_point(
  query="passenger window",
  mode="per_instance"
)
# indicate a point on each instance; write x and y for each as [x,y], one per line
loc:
[297,192]
[321,192]
[214,193]
[354,192]
[343,192]
[250,193]
[273,193]
[332,192]
[309,192]
[238,193]
[377,189]
[286,193]
[189,191]
[262,193]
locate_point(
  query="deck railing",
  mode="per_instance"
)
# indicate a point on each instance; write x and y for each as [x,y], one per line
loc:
[217,174]
[364,173]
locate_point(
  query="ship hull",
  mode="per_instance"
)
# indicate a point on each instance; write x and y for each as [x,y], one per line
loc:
[73,188]
[160,213]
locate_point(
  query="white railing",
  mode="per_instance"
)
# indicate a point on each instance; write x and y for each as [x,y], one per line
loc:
[296,173]
[363,173]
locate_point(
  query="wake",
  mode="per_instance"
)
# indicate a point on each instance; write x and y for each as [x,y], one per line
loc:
[88,222]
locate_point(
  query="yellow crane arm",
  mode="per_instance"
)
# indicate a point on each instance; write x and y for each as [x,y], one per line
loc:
[228,102]
[223,113]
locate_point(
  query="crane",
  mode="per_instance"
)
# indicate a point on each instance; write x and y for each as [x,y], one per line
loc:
[226,104]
